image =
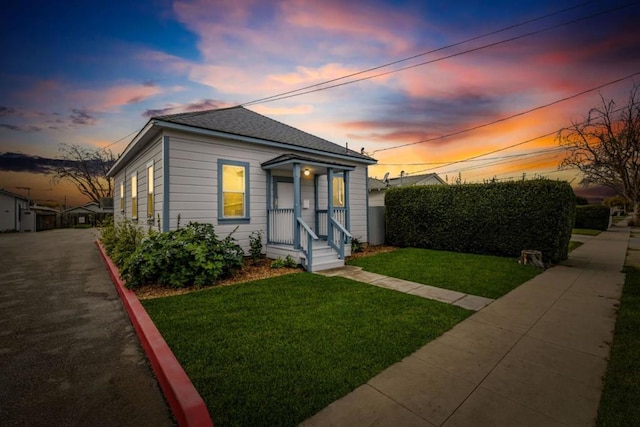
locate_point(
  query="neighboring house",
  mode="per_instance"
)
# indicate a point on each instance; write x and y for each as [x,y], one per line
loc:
[15,214]
[89,214]
[378,187]
[46,218]
[237,169]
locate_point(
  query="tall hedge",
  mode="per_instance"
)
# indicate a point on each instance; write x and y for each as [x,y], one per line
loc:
[497,219]
[594,217]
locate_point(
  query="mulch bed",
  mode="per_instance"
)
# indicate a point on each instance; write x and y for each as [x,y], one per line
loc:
[250,271]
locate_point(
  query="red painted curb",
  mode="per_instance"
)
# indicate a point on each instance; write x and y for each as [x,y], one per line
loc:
[184,400]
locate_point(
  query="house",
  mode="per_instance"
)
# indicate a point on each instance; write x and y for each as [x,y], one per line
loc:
[46,218]
[378,187]
[88,214]
[242,171]
[15,214]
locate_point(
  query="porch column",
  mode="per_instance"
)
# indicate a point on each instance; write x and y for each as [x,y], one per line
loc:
[316,179]
[268,237]
[347,206]
[296,205]
[329,204]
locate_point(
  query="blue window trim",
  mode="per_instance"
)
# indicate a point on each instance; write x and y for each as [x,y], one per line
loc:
[247,196]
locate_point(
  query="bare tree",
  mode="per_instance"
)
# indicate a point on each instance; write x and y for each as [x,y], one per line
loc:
[605,147]
[87,169]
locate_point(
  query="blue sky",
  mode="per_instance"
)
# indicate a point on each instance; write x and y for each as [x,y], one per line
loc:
[93,72]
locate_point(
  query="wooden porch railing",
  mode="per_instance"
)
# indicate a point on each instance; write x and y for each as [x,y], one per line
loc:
[281,223]
[340,214]
[338,237]
[307,236]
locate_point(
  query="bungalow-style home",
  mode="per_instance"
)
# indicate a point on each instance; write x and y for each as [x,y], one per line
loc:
[91,213]
[242,171]
[15,214]
[378,187]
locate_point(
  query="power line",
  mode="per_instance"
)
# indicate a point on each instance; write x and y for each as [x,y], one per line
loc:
[286,95]
[522,113]
[388,64]
[477,157]
[121,139]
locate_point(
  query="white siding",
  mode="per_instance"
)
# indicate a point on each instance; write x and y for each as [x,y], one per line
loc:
[139,166]
[194,191]
[376,198]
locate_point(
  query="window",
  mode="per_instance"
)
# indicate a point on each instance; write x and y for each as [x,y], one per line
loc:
[338,191]
[122,196]
[150,190]
[134,195]
[233,191]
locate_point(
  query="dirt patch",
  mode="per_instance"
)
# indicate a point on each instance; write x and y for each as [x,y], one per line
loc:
[249,272]
[371,250]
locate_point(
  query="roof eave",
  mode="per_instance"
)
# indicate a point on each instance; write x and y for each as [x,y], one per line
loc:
[133,147]
[249,139]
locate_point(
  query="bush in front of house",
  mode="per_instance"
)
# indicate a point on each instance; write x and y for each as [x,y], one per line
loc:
[120,240]
[593,217]
[495,218]
[188,256]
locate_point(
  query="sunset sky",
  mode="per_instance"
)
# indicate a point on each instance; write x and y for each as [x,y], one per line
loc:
[93,72]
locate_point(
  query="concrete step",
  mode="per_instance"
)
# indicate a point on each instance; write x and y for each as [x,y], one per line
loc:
[326,265]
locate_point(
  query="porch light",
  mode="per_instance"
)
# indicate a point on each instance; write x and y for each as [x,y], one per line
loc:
[307,172]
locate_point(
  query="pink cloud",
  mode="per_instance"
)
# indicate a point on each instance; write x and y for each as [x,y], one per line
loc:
[277,111]
[115,97]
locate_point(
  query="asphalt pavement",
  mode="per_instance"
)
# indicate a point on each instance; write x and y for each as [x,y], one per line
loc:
[68,353]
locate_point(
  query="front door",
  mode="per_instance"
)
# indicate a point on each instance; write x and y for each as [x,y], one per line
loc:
[284,195]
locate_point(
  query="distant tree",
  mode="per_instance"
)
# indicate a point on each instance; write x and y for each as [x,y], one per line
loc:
[605,147]
[617,201]
[581,201]
[87,169]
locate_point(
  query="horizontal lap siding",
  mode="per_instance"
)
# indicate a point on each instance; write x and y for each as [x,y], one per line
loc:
[139,165]
[194,187]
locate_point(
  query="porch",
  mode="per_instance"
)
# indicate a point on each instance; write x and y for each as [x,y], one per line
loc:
[308,211]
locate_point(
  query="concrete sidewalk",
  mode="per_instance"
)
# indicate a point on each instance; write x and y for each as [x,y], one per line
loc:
[470,302]
[533,357]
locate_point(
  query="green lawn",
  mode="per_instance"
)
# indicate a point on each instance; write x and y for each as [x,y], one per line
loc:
[585,231]
[620,401]
[482,275]
[574,244]
[276,351]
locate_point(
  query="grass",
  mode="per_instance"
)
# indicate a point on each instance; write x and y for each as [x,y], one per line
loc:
[482,275]
[276,351]
[585,231]
[574,245]
[620,401]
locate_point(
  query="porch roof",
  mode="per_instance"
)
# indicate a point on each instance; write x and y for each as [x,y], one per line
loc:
[290,159]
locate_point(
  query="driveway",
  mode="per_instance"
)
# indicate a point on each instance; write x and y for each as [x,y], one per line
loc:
[68,353]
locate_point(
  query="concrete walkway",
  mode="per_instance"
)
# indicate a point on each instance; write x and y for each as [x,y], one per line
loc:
[68,353]
[470,302]
[533,357]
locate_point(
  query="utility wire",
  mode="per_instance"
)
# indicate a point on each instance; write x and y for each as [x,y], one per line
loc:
[516,144]
[399,61]
[121,139]
[287,95]
[522,113]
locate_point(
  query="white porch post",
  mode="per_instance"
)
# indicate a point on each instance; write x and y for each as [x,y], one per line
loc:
[329,204]
[347,206]
[296,205]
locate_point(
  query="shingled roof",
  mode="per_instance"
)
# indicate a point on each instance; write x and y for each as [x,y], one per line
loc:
[240,121]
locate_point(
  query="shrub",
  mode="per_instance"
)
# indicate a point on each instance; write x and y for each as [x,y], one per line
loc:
[356,245]
[121,240]
[495,218]
[255,246]
[192,255]
[288,262]
[593,217]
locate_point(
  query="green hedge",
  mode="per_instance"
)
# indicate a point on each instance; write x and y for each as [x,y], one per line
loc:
[497,219]
[593,217]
